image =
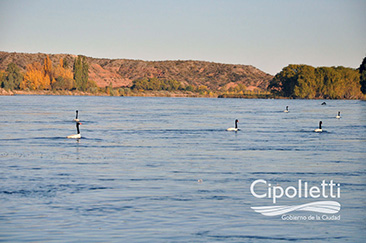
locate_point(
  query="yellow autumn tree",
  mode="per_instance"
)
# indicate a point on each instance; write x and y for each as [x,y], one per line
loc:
[36,78]
[48,69]
[60,71]
[63,77]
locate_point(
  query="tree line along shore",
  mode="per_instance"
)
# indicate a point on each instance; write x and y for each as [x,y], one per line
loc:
[294,81]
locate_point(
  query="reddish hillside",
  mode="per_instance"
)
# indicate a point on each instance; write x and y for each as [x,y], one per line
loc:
[121,72]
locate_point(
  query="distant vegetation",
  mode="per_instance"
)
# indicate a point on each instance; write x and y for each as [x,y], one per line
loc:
[362,71]
[46,76]
[303,81]
[156,84]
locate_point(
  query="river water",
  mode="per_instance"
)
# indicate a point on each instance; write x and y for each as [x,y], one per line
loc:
[166,169]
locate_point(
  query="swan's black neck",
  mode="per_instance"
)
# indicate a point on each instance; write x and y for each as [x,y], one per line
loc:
[77,127]
[236,123]
[339,113]
[77,114]
[286,108]
[320,125]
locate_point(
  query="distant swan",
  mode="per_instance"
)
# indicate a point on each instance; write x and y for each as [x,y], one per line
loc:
[78,135]
[320,127]
[286,109]
[339,115]
[236,127]
[77,115]
[324,103]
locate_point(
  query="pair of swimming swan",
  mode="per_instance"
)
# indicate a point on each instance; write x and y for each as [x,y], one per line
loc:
[235,129]
[78,123]
[338,116]
[320,123]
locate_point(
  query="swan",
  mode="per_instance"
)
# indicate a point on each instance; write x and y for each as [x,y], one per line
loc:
[324,103]
[78,135]
[286,109]
[320,127]
[77,115]
[236,127]
[339,115]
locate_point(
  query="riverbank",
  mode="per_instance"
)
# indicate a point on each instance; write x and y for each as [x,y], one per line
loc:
[161,93]
[4,92]
[146,93]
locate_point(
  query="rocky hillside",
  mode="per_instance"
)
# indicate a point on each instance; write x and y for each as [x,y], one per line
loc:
[121,72]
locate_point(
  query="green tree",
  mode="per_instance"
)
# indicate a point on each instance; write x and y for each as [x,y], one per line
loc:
[81,73]
[139,84]
[175,84]
[351,84]
[189,88]
[63,83]
[65,63]
[12,77]
[306,85]
[2,78]
[284,82]
[320,74]
[78,72]
[85,74]
[362,71]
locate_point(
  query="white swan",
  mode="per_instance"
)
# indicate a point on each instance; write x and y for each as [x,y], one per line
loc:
[77,115]
[235,129]
[339,115]
[286,109]
[78,135]
[320,127]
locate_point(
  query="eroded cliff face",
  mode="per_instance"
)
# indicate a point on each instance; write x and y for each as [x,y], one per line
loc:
[122,72]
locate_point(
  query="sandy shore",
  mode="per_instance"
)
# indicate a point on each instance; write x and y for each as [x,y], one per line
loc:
[4,92]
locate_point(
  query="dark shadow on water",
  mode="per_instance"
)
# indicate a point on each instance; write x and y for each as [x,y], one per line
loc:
[310,173]
[312,131]
[257,237]
[92,139]
[50,138]
[181,131]
[33,138]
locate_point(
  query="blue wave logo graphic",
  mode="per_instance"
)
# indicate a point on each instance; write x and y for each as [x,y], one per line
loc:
[330,207]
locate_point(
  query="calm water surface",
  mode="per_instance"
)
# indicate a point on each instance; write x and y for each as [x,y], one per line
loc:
[133,177]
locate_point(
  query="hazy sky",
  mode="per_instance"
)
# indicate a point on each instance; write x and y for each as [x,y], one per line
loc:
[266,34]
